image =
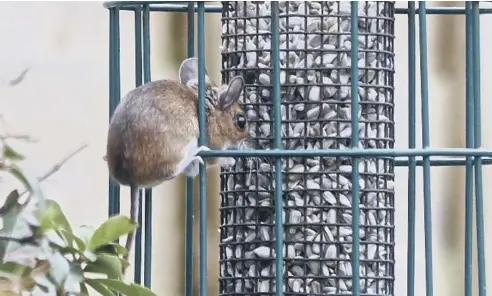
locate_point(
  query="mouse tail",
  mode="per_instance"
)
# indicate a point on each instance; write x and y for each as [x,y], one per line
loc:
[134,208]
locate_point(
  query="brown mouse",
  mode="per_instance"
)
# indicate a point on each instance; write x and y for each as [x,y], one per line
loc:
[153,133]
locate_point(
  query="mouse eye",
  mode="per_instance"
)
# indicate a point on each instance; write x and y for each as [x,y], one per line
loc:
[240,120]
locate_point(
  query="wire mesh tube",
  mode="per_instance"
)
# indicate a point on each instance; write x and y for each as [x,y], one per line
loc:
[315,78]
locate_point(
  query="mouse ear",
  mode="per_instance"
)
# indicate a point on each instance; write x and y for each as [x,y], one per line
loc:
[188,72]
[232,93]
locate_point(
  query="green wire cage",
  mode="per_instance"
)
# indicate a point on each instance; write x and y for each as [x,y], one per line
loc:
[309,209]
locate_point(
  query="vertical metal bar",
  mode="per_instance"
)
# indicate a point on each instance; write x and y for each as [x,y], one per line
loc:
[478,144]
[148,192]
[411,144]
[424,81]
[137,276]
[114,94]
[202,141]
[138,46]
[469,160]
[189,180]
[277,125]
[355,143]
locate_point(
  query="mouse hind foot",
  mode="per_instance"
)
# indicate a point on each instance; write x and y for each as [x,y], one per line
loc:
[190,165]
[193,169]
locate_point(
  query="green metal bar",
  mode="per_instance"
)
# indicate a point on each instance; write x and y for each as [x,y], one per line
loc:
[189,180]
[401,162]
[202,141]
[350,152]
[425,143]
[277,129]
[148,192]
[444,11]
[439,162]
[137,276]
[180,6]
[114,95]
[469,160]
[355,144]
[478,161]
[170,6]
[411,144]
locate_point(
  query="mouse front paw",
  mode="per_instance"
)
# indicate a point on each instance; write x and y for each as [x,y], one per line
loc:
[226,162]
[200,149]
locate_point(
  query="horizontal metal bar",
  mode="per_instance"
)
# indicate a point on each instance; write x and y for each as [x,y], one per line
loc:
[179,6]
[164,6]
[443,10]
[356,152]
[440,162]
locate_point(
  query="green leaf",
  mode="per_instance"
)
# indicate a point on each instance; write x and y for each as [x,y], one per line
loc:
[112,248]
[11,154]
[19,223]
[78,243]
[111,230]
[128,289]
[11,209]
[30,182]
[106,264]
[100,288]
[53,217]
[20,237]
[11,201]
[11,213]
[12,268]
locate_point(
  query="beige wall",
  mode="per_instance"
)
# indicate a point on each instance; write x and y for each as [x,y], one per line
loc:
[64,101]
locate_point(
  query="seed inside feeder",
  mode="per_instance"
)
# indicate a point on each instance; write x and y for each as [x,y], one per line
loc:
[315,79]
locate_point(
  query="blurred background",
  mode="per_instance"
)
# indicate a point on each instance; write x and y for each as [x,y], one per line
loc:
[63,101]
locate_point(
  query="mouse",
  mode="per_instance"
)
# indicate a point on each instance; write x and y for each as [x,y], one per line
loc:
[153,133]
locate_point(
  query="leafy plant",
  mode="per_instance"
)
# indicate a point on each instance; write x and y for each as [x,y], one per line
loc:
[41,253]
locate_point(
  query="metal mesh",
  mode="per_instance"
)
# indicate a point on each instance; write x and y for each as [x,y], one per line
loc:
[316,112]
